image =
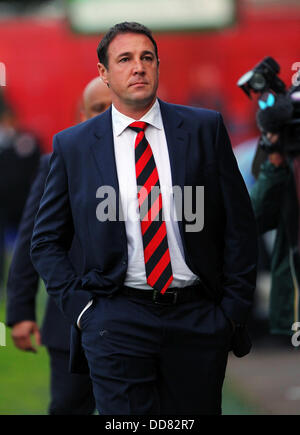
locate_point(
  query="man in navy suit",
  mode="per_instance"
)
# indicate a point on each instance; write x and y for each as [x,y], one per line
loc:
[70,393]
[166,278]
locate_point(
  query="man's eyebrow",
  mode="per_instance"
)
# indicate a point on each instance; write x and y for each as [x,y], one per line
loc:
[128,53]
[148,52]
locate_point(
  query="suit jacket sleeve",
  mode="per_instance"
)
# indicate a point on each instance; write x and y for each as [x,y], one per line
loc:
[22,283]
[52,237]
[240,241]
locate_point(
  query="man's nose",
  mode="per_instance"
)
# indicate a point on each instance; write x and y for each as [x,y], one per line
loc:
[138,67]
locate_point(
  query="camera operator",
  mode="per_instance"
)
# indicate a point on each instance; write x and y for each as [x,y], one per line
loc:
[276,197]
[19,159]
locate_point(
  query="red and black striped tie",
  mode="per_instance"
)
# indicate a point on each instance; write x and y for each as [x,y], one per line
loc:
[154,232]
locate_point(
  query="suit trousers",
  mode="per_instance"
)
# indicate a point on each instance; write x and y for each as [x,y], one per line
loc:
[71,394]
[151,359]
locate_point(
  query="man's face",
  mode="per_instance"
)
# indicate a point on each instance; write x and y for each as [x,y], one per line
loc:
[132,72]
[96,100]
[95,107]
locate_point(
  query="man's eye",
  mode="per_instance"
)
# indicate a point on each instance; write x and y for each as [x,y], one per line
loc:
[149,58]
[124,59]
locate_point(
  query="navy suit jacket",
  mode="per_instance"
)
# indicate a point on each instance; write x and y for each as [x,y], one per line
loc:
[223,254]
[23,279]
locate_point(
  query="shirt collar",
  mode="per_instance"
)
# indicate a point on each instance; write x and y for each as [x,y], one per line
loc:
[121,122]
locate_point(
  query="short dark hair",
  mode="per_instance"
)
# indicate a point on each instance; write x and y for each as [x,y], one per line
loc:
[125,27]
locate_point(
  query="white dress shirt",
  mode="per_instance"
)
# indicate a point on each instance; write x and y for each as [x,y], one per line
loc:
[124,140]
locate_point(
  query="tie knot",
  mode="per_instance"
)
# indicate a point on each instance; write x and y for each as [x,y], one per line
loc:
[138,126]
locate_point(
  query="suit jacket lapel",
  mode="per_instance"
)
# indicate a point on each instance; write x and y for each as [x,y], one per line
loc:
[177,141]
[103,150]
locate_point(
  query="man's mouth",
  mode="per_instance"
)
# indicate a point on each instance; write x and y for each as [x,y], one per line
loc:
[138,84]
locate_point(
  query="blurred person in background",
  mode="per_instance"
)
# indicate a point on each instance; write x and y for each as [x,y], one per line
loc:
[19,159]
[276,198]
[70,393]
[245,153]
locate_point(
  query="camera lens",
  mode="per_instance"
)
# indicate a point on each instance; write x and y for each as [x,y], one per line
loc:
[258,82]
[245,78]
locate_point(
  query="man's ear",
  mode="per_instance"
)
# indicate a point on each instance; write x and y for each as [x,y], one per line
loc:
[103,73]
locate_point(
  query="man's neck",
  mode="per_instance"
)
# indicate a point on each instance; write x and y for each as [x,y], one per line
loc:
[134,112]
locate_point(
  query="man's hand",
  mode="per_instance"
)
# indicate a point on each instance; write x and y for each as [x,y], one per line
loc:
[277,159]
[21,335]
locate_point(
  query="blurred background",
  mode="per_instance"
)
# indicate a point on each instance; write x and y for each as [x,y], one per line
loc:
[48,55]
